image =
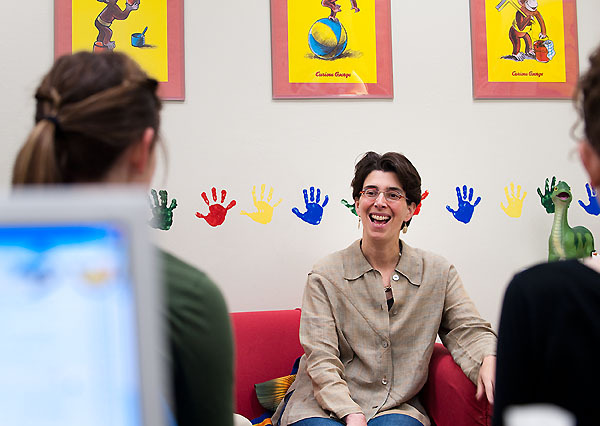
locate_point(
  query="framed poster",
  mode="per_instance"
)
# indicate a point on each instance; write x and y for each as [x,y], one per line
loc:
[524,49]
[331,48]
[149,32]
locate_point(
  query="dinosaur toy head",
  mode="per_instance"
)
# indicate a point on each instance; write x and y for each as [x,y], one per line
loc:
[561,193]
[566,242]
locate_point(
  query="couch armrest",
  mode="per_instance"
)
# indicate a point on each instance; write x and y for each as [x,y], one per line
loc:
[266,346]
[449,396]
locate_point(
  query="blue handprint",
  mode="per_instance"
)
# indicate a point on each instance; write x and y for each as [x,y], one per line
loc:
[593,207]
[465,210]
[314,211]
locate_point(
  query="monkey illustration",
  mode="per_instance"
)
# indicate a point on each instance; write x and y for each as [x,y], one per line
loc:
[335,8]
[104,20]
[526,15]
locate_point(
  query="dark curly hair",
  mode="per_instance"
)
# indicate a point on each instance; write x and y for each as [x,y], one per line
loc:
[587,100]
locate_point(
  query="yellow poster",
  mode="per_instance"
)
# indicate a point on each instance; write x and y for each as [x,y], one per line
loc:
[331,48]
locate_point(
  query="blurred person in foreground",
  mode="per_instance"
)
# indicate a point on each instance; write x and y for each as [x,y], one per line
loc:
[549,334]
[97,121]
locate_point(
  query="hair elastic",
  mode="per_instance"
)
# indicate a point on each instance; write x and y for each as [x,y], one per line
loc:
[54,120]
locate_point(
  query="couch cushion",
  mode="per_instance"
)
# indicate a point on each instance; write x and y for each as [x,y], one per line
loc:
[266,345]
[449,396]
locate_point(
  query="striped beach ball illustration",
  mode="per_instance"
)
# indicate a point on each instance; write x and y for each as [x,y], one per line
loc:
[327,39]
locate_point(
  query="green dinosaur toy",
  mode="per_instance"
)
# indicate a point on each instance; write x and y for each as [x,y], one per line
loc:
[566,242]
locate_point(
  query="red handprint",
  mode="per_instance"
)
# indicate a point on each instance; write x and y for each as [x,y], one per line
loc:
[217,212]
[418,209]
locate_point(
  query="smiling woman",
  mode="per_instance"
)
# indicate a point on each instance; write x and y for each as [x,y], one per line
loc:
[371,314]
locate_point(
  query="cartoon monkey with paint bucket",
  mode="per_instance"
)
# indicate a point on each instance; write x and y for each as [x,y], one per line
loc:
[527,14]
[104,20]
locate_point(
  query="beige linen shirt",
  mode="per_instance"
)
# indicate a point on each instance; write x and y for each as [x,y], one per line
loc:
[361,358]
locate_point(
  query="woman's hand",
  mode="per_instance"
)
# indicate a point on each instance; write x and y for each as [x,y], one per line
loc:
[355,419]
[487,378]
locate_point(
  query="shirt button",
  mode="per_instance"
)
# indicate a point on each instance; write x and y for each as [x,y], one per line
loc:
[395,277]
[384,381]
[385,344]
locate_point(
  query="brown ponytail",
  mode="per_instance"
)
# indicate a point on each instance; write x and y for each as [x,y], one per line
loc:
[90,108]
[36,161]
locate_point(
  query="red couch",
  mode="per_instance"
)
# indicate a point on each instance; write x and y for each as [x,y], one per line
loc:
[267,345]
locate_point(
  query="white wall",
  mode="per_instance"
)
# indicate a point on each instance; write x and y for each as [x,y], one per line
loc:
[229,133]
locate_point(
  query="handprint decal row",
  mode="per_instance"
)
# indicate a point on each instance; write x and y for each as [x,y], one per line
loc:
[315,202]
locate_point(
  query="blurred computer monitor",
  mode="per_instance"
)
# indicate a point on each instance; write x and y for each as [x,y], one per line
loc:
[80,329]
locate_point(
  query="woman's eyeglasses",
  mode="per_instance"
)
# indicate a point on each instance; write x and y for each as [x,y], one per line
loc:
[391,196]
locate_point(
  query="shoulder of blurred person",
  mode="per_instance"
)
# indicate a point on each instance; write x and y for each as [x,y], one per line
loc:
[549,339]
[200,338]
[550,289]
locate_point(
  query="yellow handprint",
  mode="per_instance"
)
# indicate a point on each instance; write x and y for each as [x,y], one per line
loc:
[515,204]
[264,212]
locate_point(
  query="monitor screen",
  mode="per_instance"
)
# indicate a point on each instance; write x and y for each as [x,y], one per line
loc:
[69,334]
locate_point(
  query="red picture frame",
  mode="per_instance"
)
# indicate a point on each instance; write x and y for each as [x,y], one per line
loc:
[284,89]
[174,87]
[483,88]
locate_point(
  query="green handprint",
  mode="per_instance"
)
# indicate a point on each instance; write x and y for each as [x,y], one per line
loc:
[546,197]
[514,203]
[162,216]
[352,207]
[264,211]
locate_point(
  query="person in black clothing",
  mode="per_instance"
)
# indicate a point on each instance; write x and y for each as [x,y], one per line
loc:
[549,334]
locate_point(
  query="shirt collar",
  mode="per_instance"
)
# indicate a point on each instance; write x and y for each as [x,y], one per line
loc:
[410,264]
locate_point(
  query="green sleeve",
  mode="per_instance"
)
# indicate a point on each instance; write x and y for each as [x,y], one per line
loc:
[201,346]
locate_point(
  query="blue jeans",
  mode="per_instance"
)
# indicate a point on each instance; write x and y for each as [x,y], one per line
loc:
[385,420]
